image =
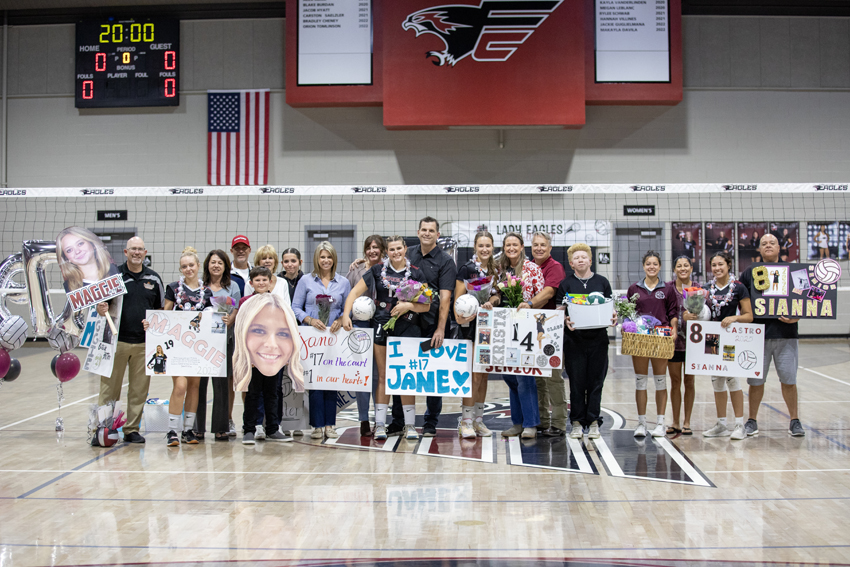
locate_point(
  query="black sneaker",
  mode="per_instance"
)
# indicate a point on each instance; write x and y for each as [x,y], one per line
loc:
[172,440]
[133,437]
[796,428]
[189,438]
[751,427]
[554,432]
[394,429]
[429,431]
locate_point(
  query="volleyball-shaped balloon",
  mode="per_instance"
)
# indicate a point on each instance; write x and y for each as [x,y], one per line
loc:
[13,333]
[828,271]
[62,341]
[596,297]
[363,308]
[466,305]
[106,437]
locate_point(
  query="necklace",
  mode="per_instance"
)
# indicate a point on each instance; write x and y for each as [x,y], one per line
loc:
[187,303]
[717,304]
[477,264]
[585,280]
[386,283]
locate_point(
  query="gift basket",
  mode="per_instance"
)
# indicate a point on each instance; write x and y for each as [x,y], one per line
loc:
[643,335]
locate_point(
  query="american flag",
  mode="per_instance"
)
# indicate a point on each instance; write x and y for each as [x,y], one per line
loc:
[238,137]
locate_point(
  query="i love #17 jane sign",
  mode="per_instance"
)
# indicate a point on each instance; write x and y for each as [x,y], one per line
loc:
[443,371]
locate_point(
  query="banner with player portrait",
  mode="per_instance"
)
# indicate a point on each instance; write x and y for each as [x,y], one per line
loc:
[736,351]
[719,237]
[519,340]
[337,361]
[186,343]
[796,291]
[687,241]
[823,240]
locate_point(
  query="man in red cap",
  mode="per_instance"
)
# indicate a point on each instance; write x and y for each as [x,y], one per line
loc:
[241,250]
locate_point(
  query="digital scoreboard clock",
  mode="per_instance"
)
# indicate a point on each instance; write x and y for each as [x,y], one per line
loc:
[127,62]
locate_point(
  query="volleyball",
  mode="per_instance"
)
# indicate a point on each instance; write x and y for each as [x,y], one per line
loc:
[363,308]
[61,341]
[466,305]
[596,297]
[13,333]
[106,437]
[359,342]
[828,271]
[747,359]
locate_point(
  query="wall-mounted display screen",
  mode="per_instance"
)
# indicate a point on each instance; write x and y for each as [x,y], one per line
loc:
[632,41]
[334,42]
[127,62]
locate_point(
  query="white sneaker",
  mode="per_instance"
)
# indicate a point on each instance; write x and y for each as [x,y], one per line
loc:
[465,429]
[260,434]
[317,433]
[513,431]
[640,430]
[739,432]
[659,431]
[594,431]
[380,432]
[577,431]
[480,429]
[231,429]
[719,430]
[529,433]
[411,434]
[330,432]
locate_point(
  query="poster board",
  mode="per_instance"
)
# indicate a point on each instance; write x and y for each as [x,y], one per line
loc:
[795,290]
[191,343]
[519,339]
[337,361]
[444,371]
[736,351]
[100,340]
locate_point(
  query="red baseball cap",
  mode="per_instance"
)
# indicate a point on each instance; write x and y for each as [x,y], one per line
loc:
[240,239]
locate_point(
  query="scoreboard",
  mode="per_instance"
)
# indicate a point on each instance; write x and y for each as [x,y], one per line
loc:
[127,62]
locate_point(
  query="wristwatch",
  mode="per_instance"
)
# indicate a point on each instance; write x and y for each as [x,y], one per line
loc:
[530,304]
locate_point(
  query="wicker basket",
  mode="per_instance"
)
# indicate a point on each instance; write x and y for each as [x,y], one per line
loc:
[648,346]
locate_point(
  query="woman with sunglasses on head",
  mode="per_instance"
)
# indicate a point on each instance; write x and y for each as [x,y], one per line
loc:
[480,266]
[525,413]
[374,252]
[729,302]
[382,280]
[657,299]
[683,269]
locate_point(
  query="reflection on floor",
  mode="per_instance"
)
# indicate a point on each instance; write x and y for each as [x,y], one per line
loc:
[518,562]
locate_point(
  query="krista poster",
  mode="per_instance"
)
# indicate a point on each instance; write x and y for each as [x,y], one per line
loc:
[337,361]
[519,340]
[796,291]
[186,343]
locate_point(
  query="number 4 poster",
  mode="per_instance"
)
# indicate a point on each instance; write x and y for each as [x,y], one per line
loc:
[736,351]
[521,340]
[186,343]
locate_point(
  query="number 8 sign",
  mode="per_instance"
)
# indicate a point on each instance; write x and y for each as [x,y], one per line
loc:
[737,350]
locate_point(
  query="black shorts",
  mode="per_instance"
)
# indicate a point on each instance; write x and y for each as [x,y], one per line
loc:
[678,356]
[468,333]
[402,329]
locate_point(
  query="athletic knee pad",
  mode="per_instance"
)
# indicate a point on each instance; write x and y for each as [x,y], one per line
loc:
[660,381]
[733,383]
[641,381]
[719,383]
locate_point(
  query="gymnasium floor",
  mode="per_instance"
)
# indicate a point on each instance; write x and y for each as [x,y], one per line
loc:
[683,500]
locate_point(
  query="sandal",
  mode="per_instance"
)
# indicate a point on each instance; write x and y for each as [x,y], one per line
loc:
[687,431]
[222,437]
[673,430]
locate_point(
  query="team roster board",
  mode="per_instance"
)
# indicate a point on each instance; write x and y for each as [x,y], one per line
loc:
[632,41]
[334,42]
[519,340]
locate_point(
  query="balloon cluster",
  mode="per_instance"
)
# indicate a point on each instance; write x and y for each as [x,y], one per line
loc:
[31,262]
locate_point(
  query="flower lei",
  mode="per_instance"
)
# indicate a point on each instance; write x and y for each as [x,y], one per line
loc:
[717,304]
[386,282]
[186,302]
[477,264]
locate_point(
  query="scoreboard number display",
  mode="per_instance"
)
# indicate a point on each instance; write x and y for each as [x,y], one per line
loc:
[127,62]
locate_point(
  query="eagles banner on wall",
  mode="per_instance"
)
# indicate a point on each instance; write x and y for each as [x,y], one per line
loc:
[563,232]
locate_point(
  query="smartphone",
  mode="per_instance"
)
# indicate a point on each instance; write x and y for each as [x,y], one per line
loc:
[425,346]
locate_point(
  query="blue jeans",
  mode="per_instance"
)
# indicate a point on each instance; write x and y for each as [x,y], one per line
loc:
[523,396]
[322,407]
[364,397]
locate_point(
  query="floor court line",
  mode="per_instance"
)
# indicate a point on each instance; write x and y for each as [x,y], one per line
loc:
[53,410]
[825,376]
[75,469]
[429,549]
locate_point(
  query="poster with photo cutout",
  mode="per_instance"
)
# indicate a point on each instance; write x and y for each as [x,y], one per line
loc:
[519,339]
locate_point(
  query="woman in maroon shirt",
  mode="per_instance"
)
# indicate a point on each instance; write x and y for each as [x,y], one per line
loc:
[659,300]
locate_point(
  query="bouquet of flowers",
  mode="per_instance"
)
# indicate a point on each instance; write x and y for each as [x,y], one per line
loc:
[512,290]
[480,288]
[413,292]
[694,299]
[641,324]
[626,307]
[224,304]
[324,303]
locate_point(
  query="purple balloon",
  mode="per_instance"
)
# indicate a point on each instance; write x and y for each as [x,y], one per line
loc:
[5,362]
[67,366]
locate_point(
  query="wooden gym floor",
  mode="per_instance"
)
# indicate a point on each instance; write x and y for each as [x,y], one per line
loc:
[682,500]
